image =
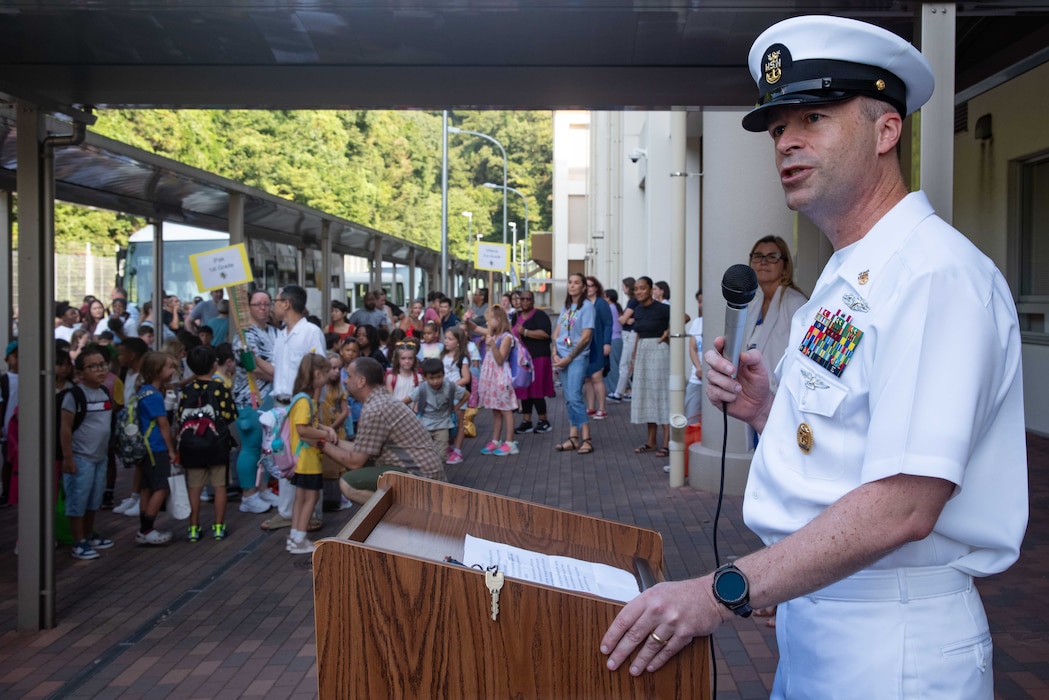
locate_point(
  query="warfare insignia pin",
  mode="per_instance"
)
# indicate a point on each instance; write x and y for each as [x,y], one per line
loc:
[805,441]
[855,303]
[812,381]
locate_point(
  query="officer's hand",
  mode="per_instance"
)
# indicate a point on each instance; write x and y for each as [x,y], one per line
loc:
[676,612]
[748,396]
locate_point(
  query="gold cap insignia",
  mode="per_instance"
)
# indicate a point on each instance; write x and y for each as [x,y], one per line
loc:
[773,67]
[864,277]
[880,84]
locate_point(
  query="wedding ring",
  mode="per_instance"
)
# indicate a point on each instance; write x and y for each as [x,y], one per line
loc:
[660,642]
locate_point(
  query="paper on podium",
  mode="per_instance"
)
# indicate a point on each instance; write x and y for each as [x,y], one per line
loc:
[562,572]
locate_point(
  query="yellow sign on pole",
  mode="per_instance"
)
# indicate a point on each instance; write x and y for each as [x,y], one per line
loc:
[223,267]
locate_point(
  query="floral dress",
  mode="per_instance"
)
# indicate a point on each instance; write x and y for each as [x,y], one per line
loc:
[496,390]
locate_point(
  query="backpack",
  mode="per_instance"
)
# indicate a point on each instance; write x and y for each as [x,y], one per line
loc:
[203,437]
[521,371]
[277,458]
[392,372]
[79,411]
[129,442]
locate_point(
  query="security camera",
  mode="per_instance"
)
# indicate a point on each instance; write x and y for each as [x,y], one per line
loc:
[637,154]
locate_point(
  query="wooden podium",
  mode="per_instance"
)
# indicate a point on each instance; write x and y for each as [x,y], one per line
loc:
[395,621]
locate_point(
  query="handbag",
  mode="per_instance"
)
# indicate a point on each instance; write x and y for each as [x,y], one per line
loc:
[178,501]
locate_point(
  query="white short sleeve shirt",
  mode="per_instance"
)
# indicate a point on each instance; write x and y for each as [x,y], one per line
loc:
[905,361]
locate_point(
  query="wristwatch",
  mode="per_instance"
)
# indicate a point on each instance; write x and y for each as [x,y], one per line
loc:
[732,590]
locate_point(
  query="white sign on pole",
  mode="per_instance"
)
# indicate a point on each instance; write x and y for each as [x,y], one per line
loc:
[493,256]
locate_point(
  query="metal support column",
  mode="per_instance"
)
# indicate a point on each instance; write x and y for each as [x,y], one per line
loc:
[325,281]
[411,280]
[935,123]
[7,276]
[36,603]
[236,218]
[158,285]
[679,302]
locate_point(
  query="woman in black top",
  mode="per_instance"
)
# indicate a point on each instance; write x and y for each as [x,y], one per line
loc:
[532,327]
[651,367]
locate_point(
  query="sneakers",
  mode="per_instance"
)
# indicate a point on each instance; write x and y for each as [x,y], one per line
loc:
[507,448]
[600,415]
[153,537]
[83,550]
[268,497]
[543,427]
[132,510]
[303,546]
[254,504]
[345,503]
[454,457]
[97,541]
[218,531]
[131,500]
[591,412]
[490,448]
[614,397]
[627,397]
[194,533]
[525,427]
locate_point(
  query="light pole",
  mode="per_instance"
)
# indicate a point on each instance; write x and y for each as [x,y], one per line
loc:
[513,250]
[504,188]
[470,228]
[457,130]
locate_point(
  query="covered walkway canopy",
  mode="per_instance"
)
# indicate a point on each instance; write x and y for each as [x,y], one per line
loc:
[107,174]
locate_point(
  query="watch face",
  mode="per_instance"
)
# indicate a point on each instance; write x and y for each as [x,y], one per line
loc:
[731,586]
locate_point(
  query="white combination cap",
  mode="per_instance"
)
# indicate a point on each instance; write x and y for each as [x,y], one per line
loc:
[818,59]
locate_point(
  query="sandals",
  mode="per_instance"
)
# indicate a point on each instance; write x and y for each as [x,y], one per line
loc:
[586,448]
[662,452]
[568,445]
[644,448]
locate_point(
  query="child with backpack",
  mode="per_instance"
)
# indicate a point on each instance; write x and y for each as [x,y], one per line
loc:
[403,376]
[438,399]
[205,413]
[496,387]
[147,411]
[308,478]
[456,361]
[84,439]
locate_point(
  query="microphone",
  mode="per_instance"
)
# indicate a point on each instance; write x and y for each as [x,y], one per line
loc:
[739,285]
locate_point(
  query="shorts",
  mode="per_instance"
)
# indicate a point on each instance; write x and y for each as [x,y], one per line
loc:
[155,474]
[84,489]
[310,482]
[440,442]
[199,477]
[367,478]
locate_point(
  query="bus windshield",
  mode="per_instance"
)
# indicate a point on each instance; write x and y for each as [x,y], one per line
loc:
[178,274]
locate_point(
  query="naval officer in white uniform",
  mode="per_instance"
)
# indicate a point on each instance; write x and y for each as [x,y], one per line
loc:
[892,467]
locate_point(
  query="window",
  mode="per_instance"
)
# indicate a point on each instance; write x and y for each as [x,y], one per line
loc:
[1033,259]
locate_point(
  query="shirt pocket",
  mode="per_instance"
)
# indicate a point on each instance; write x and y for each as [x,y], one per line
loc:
[818,401]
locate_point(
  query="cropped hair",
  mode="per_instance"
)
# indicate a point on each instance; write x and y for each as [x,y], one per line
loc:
[296,297]
[370,369]
[201,359]
[431,366]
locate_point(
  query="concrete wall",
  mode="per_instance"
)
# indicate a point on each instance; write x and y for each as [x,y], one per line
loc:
[982,198]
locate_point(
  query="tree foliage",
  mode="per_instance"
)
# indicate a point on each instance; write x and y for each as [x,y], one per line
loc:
[378,168]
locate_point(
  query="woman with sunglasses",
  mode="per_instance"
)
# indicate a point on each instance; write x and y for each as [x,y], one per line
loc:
[768,324]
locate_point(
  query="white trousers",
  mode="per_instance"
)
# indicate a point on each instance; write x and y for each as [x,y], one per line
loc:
[901,633]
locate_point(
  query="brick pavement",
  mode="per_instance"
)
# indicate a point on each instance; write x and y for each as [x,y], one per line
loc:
[234,619]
